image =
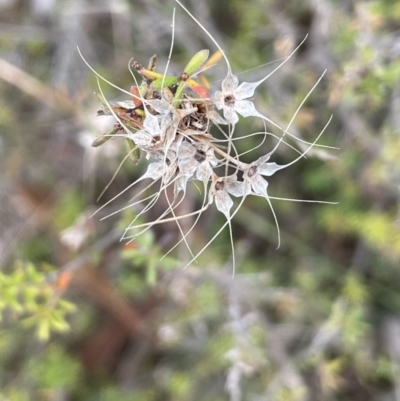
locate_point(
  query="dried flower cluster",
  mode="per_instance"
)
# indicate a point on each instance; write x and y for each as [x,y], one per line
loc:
[170,118]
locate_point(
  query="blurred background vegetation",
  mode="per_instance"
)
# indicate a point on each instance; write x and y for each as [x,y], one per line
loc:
[85,317]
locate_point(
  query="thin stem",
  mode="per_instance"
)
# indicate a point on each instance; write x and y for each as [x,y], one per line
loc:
[238,163]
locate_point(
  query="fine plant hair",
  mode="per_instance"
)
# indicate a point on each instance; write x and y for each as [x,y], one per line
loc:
[168,118]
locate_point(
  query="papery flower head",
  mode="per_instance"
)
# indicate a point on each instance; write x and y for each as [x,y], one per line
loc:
[170,118]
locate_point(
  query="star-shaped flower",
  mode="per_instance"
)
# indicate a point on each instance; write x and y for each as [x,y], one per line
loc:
[159,169]
[234,99]
[253,174]
[152,137]
[221,190]
[196,159]
[255,184]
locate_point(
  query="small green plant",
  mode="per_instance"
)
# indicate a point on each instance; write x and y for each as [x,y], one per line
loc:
[27,293]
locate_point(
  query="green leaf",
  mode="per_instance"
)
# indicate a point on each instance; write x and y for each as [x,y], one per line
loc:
[43,330]
[133,150]
[58,323]
[66,306]
[104,138]
[196,61]
[164,82]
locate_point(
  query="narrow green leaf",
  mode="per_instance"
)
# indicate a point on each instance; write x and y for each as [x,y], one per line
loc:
[162,82]
[66,306]
[43,330]
[179,94]
[104,138]
[196,61]
[58,323]
[134,151]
